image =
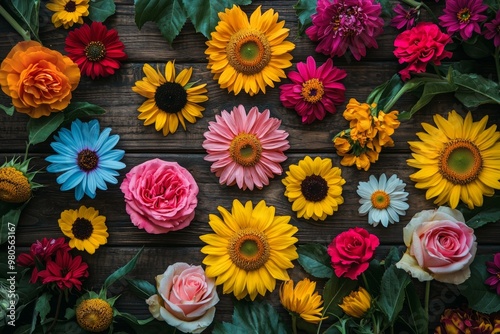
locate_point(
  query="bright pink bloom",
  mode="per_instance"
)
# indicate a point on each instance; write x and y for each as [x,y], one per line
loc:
[419,46]
[66,271]
[351,252]
[405,18]
[493,30]
[463,16]
[160,196]
[314,91]
[493,267]
[245,149]
[346,24]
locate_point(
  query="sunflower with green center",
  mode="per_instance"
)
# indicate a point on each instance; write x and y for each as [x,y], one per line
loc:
[314,187]
[171,99]
[458,160]
[302,300]
[250,250]
[85,228]
[248,54]
[16,182]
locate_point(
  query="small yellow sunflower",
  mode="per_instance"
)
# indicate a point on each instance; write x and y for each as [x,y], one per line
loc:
[458,160]
[94,315]
[357,303]
[68,12]
[302,300]
[85,228]
[248,54]
[171,99]
[250,250]
[314,187]
[16,181]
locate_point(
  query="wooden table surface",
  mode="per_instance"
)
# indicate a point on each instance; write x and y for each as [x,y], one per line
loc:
[142,143]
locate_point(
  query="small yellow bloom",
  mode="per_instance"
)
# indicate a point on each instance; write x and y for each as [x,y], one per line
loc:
[357,303]
[14,186]
[68,12]
[94,315]
[302,300]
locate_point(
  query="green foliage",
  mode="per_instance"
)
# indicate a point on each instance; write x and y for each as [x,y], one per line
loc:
[42,306]
[480,297]
[484,217]
[100,10]
[9,214]
[336,288]
[417,320]
[315,260]
[392,292]
[25,14]
[304,9]
[252,317]
[8,110]
[475,90]
[122,271]
[477,47]
[141,288]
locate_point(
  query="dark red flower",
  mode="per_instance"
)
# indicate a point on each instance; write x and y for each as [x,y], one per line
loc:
[66,271]
[493,267]
[97,50]
[492,30]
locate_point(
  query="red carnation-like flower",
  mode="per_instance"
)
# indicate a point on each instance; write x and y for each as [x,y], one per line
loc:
[66,271]
[419,46]
[97,50]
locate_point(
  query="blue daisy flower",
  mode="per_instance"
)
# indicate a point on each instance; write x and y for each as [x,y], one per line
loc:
[86,158]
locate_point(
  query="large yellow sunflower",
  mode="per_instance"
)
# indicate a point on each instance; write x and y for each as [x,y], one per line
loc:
[458,160]
[248,54]
[314,187]
[303,300]
[68,12]
[85,228]
[250,250]
[171,99]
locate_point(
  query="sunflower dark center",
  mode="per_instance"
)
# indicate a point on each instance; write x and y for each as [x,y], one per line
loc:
[463,15]
[95,51]
[171,97]
[70,6]
[82,228]
[314,188]
[87,160]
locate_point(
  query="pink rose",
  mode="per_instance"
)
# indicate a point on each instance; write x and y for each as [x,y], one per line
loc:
[440,246]
[160,196]
[351,252]
[186,298]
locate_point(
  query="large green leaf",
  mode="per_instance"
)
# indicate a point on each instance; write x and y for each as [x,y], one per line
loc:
[81,109]
[39,129]
[304,10]
[141,288]
[392,292]
[204,14]
[122,271]
[315,260]
[26,15]
[335,290]
[475,90]
[480,297]
[100,10]
[432,89]
[9,218]
[42,306]
[417,319]
[484,217]
[373,276]
[8,110]
[477,47]
[252,317]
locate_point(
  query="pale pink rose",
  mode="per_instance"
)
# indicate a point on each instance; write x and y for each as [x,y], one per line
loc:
[440,246]
[186,298]
[160,196]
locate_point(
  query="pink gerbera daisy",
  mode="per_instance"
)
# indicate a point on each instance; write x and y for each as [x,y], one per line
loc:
[245,149]
[314,91]
[493,30]
[346,24]
[463,16]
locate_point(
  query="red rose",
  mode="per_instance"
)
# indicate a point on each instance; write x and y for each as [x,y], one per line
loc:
[351,251]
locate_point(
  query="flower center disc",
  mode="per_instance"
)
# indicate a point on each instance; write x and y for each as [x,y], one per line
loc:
[171,97]
[249,249]
[14,186]
[248,51]
[87,160]
[463,15]
[312,90]
[82,228]
[95,51]
[70,7]
[314,188]
[245,149]
[380,200]
[94,315]
[460,161]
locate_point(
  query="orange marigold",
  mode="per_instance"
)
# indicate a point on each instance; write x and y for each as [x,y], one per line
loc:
[39,80]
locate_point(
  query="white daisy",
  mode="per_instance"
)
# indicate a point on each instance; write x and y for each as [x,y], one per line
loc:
[383,200]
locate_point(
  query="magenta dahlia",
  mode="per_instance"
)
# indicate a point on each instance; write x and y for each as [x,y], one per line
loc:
[493,268]
[493,30]
[463,16]
[346,24]
[404,18]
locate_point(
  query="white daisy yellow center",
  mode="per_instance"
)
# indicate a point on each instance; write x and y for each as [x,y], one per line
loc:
[249,249]
[245,149]
[460,161]
[248,51]
[380,200]
[312,90]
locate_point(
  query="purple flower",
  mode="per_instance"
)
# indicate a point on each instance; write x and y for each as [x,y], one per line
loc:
[404,18]
[346,24]
[493,30]
[494,269]
[463,16]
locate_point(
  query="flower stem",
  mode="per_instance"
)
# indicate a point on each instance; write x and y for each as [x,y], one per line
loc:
[365,281]
[497,62]
[294,324]
[427,293]
[24,33]
[58,308]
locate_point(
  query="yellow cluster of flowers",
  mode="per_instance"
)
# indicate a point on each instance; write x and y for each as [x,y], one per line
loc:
[369,130]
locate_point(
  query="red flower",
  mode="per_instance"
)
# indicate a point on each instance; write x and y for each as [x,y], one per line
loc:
[351,252]
[419,46]
[97,50]
[66,271]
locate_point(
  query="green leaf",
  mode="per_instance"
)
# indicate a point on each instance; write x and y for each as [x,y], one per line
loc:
[432,89]
[304,10]
[475,90]
[392,257]
[100,10]
[204,14]
[26,15]
[8,110]
[392,292]
[81,109]
[39,129]
[479,295]
[10,219]
[484,217]
[315,260]
[141,288]
[417,320]
[132,318]
[373,276]
[477,47]
[42,306]
[252,317]
[121,272]
[336,288]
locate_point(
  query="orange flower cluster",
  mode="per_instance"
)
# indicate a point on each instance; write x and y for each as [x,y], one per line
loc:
[369,131]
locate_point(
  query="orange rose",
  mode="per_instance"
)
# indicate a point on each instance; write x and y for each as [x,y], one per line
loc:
[39,80]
